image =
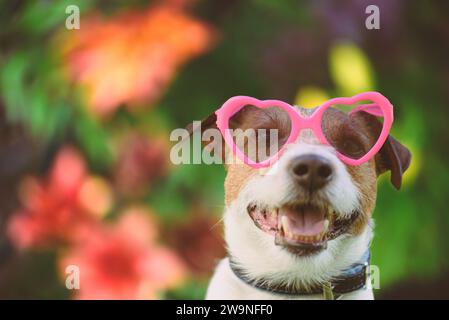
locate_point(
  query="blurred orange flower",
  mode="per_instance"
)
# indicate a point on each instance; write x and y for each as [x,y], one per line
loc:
[56,209]
[122,261]
[132,57]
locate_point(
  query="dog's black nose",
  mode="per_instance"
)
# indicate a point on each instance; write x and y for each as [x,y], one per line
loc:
[311,171]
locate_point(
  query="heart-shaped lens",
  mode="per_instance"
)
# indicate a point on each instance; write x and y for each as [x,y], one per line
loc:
[353,129]
[259,133]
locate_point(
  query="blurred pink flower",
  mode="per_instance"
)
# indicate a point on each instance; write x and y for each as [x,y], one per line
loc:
[141,160]
[132,57]
[56,209]
[122,261]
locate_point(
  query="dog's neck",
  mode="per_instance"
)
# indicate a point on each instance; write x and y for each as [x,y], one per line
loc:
[354,278]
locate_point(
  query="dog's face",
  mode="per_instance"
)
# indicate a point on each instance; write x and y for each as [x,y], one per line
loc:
[309,210]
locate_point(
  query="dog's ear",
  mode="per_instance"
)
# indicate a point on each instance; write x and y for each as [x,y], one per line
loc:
[393,156]
[208,123]
[215,139]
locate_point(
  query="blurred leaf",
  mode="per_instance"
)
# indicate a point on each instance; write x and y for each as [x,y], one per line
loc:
[189,183]
[93,139]
[40,16]
[287,9]
[47,117]
[192,290]
[12,85]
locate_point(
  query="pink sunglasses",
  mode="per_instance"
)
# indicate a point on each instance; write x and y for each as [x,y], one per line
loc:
[379,107]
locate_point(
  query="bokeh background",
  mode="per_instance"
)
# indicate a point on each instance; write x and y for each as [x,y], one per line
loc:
[85,117]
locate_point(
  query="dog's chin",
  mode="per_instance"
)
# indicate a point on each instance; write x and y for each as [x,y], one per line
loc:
[303,229]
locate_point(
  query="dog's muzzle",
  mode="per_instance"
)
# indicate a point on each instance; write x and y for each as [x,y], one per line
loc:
[303,229]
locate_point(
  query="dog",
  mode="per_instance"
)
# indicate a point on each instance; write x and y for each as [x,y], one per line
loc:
[311,183]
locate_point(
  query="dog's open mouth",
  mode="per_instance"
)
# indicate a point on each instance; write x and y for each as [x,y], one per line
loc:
[302,229]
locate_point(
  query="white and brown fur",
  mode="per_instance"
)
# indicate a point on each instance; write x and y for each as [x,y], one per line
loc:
[351,188]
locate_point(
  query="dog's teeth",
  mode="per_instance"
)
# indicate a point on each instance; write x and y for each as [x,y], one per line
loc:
[284,224]
[281,229]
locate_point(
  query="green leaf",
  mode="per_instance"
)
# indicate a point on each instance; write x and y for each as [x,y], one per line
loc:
[194,289]
[93,139]
[12,85]
[41,16]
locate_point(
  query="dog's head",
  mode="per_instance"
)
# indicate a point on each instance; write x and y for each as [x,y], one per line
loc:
[310,212]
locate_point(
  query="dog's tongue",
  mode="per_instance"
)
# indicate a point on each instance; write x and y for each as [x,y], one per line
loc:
[304,221]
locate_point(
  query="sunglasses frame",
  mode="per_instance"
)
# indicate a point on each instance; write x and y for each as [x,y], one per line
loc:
[380,107]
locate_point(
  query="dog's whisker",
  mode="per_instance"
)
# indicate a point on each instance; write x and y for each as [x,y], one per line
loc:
[217,223]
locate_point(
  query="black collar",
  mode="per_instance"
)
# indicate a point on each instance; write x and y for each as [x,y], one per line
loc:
[349,280]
